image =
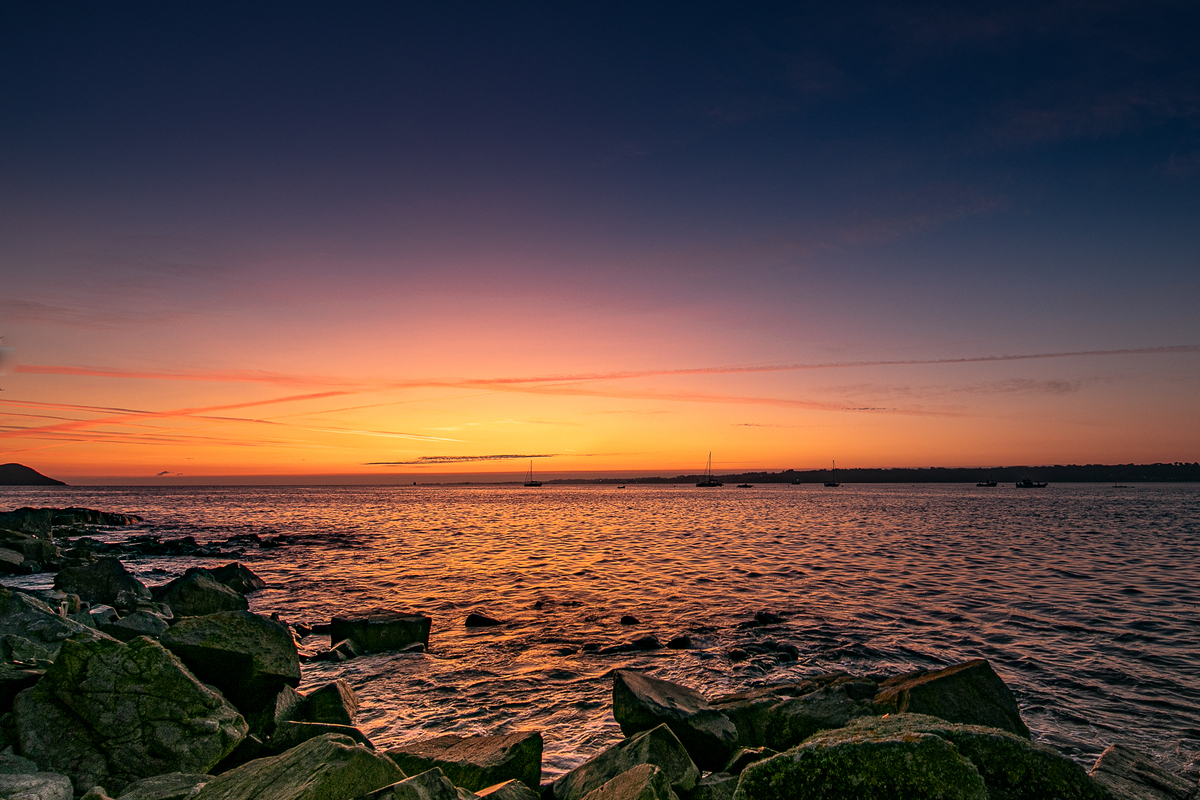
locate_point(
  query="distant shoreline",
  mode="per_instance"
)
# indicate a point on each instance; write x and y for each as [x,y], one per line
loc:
[1178,472]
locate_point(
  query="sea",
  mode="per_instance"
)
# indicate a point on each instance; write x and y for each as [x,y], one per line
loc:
[1085,598]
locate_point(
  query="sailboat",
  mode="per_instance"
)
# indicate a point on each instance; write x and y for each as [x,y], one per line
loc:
[709,481]
[833,482]
[529,481]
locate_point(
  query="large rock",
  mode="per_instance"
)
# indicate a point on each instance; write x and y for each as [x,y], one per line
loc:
[34,521]
[912,767]
[1129,775]
[13,681]
[30,619]
[328,767]
[641,702]
[197,594]
[916,756]
[289,734]
[98,579]
[237,577]
[715,786]
[971,693]
[36,786]
[429,785]
[476,762]
[131,626]
[783,717]
[12,562]
[172,786]
[377,631]
[658,746]
[31,547]
[248,657]
[109,713]
[643,782]
[334,703]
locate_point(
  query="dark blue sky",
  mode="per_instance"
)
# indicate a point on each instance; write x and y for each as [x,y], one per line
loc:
[805,183]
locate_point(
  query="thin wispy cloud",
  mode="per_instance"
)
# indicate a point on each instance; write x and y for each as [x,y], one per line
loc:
[435,460]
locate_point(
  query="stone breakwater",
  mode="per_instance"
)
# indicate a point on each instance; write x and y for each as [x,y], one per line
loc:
[110,688]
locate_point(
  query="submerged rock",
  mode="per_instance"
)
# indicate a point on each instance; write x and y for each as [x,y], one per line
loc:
[1129,775]
[328,767]
[479,620]
[476,762]
[971,693]
[642,702]
[658,746]
[110,713]
[381,630]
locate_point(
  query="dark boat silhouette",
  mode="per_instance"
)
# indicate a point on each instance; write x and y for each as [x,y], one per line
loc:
[529,481]
[1030,484]
[833,482]
[744,486]
[989,484]
[709,481]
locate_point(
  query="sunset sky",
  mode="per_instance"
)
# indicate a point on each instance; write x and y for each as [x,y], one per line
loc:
[404,240]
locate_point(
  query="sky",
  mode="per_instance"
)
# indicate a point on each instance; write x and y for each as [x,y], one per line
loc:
[400,241]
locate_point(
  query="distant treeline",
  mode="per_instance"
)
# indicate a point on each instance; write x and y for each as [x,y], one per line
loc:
[1179,471]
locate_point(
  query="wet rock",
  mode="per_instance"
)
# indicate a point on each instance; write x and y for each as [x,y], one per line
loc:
[98,579]
[172,786]
[335,703]
[31,547]
[248,657]
[110,713]
[429,785]
[647,643]
[643,782]
[139,623]
[1129,775]
[736,654]
[680,643]
[658,746]
[237,577]
[629,619]
[970,693]
[197,594]
[476,762]
[34,521]
[715,786]
[774,720]
[641,702]
[90,516]
[291,733]
[30,619]
[342,651]
[328,767]
[11,562]
[381,630]
[509,790]
[478,620]
[746,756]
[36,786]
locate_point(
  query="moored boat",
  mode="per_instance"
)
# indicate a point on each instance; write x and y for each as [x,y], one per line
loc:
[1028,483]
[709,481]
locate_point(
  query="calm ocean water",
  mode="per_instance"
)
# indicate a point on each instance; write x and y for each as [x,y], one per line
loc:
[1085,598]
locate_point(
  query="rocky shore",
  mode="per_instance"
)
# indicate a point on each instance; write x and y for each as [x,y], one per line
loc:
[113,689]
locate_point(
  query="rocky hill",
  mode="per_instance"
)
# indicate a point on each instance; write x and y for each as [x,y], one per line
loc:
[21,475]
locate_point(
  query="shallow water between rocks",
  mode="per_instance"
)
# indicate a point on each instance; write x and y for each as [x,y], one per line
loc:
[1084,597]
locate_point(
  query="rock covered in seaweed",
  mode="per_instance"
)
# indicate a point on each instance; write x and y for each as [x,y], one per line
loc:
[110,713]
